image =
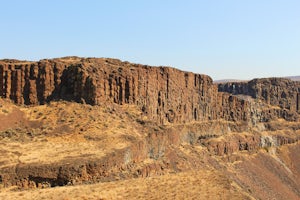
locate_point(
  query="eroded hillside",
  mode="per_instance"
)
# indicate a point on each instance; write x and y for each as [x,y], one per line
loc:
[101,123]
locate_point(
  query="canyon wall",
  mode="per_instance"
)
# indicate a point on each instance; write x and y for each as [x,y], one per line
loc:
[231,116]
[164,94]
[280,92]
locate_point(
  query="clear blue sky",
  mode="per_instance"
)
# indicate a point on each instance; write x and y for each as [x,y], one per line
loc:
[239,39]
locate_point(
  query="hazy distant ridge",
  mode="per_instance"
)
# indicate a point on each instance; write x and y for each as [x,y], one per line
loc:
[293,78]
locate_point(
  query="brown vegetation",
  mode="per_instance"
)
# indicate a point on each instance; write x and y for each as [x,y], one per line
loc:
[129,136]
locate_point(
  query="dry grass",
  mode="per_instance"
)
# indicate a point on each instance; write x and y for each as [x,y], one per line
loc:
[66,130]
[62,130]
[188,185]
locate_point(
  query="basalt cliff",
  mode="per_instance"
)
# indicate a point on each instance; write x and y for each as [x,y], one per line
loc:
[72,121]
[165,94]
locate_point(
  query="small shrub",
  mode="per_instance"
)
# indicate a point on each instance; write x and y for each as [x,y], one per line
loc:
[5,111]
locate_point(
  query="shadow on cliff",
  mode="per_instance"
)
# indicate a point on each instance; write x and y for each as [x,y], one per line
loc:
[74,86]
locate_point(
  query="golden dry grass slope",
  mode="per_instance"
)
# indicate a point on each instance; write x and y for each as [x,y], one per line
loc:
[201,184]
[66,150]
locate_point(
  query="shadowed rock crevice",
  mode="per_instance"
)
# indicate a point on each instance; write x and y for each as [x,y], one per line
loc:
[41,182]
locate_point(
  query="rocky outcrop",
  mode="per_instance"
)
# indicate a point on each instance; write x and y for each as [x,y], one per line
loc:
[165,94]
[280,92]
[33,83]
[250,143]
[233,120]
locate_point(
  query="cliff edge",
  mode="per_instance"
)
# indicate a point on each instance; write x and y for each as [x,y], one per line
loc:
[165,94]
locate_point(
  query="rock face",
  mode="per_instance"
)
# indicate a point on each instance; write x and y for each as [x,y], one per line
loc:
[165,94]
[33,83]
[121,142]
[280,92]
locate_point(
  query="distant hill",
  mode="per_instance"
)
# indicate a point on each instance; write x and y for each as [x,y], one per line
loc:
[229,80]
[293,78]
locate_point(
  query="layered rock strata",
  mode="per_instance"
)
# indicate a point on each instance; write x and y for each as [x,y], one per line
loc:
[235,118]
[280,92]
[165,94]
